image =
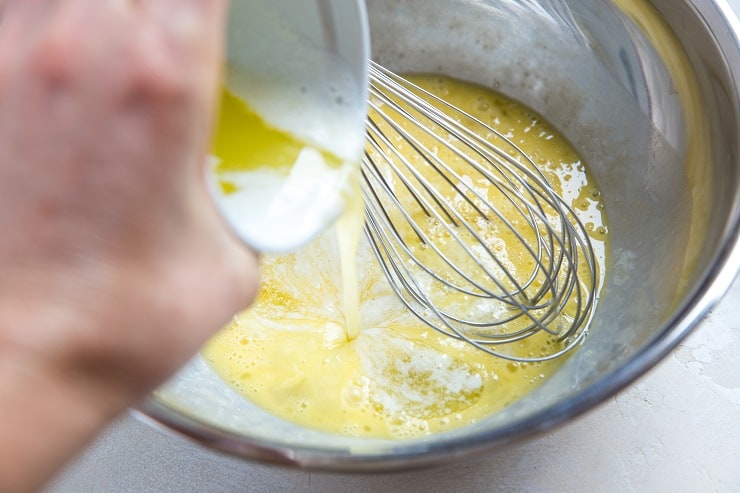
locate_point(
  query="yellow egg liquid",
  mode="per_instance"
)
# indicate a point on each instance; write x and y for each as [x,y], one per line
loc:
[327,344]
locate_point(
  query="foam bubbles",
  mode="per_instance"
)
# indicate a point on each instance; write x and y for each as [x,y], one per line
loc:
[412,378]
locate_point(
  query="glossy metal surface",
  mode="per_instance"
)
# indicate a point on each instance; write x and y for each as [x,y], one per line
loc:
[666,157]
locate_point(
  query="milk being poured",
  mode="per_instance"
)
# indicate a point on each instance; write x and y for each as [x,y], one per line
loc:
[291,133]
[328,345]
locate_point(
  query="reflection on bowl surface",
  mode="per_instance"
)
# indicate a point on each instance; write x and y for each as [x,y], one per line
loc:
[648,95]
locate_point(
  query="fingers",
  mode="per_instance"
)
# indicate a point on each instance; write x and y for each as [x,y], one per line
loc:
[21,23]
[189,16]
[163,46]
[239,281]
[194,30]
[196,24]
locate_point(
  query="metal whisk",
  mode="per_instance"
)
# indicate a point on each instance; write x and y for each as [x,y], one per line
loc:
[472,237]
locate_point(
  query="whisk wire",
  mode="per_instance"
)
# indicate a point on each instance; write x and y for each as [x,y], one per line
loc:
[484,151]
[415,289]
[441,186]
[452,214]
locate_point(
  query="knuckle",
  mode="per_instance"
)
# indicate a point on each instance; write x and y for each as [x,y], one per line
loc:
[156,80]
[55,61]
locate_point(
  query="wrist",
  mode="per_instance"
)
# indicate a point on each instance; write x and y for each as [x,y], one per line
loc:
[45,417]
[51,405]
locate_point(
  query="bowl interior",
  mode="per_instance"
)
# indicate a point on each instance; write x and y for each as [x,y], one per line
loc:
[653,112]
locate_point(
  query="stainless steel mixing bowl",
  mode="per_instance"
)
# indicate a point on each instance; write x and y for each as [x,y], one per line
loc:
[649,93]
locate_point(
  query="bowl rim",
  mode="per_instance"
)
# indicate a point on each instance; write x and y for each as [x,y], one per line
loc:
[724,24]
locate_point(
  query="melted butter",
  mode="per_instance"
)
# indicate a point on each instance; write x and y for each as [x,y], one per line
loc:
[277,191]
[268,146]
[328,346]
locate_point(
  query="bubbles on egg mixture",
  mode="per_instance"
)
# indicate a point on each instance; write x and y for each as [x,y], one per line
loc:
[398,379]
[411,378]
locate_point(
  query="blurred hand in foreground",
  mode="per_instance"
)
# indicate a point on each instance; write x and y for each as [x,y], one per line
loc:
[114,265]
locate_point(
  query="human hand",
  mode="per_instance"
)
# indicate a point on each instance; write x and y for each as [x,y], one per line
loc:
[114,265]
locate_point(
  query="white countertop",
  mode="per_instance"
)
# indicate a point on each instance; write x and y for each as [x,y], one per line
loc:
[677,429]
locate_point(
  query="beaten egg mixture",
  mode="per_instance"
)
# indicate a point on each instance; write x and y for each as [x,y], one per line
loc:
[328,346]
